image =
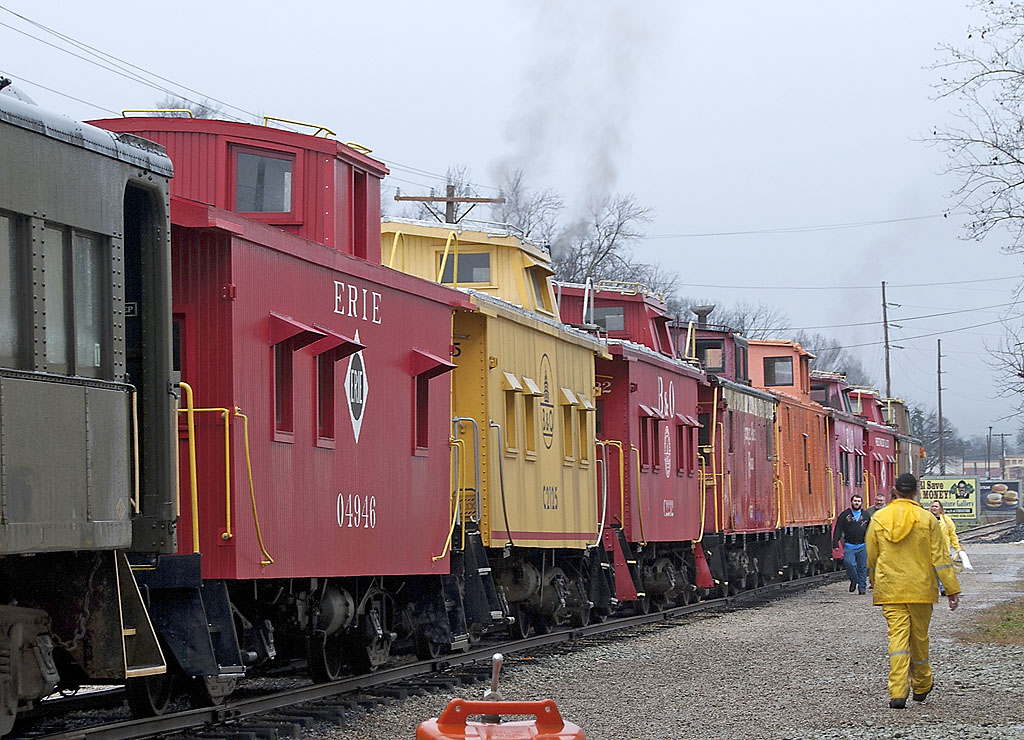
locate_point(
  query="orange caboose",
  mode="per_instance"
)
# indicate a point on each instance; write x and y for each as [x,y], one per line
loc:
[803,473]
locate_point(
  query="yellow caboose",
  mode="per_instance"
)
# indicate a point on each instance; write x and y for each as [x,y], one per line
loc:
[523,429]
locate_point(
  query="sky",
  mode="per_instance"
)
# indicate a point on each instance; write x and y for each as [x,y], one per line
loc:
[781,146]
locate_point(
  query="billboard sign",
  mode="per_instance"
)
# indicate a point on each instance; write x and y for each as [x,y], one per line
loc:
[999,497]
[959,496]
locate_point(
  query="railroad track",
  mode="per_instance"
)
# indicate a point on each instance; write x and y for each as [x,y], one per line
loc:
[991,529]
[257,716]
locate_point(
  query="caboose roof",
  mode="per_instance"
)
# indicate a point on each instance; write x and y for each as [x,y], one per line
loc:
[193,214]
[249,132]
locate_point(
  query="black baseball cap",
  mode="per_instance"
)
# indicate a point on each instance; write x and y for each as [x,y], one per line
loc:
[906,483]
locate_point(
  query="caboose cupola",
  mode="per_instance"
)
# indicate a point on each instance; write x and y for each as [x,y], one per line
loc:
[312,186]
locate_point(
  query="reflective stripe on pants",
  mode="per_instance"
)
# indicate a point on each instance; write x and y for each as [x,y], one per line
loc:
[908,648]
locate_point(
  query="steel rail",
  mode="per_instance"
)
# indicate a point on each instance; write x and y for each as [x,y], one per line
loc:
[985,530]
[207,717]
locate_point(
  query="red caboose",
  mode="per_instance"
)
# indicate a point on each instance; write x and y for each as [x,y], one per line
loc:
[844,444]
[321,407]
[650,479]
[880,449]
[742,510]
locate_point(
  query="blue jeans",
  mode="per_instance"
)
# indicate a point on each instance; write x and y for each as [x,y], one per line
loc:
[856,562]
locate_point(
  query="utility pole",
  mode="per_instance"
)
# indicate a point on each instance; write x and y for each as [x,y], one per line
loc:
[449,199]
[942,446]
[1002,452]
[885,333]
[988,455]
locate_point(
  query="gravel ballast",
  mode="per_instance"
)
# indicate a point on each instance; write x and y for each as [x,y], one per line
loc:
[813,665]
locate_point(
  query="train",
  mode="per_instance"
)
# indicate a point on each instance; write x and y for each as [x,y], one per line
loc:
[245,423]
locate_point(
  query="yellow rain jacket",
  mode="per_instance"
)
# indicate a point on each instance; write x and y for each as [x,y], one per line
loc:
[949,532]
[906,550]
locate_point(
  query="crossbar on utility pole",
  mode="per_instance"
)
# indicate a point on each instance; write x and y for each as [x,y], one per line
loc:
[449,199]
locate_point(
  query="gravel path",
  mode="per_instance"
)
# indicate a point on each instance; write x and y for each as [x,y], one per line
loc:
[810,666]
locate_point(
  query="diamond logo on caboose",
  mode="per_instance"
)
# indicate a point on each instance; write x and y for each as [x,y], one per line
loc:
[547,409]
[356,389]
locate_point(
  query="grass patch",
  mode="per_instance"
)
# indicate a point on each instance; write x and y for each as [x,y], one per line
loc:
[1002,624]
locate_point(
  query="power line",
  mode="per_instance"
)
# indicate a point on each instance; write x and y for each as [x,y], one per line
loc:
[874,323]
[63,95]
[917,336]
[798,229]
[844,287]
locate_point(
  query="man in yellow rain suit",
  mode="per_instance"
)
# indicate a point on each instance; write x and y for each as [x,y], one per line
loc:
[906,551]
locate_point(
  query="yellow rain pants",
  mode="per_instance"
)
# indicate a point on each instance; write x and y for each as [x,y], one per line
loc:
[908,648]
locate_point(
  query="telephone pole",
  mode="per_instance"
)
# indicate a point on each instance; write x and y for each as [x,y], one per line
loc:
[988,455]
[1002,452]
[942,447]
[449,199]
[885,333]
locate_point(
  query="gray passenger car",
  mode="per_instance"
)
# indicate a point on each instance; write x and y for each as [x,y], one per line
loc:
[86,413]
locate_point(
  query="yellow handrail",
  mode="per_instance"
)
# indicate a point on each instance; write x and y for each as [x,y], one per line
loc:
[639,503]
[136,504]
[703,495]
[444,259]
[268,119]
[394,248]
[789,469]
[225,415]
[453,505]
[831,473]
[622,476]
[192,477]
[126,111]
[777,483]
[721,524]
[266,560]
[690,350]
[711,452]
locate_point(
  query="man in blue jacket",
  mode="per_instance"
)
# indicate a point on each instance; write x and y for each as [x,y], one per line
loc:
[851,524]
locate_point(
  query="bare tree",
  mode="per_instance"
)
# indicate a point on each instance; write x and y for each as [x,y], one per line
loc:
[534,212]
[200,109]
[924,424]
[597,246]
[986,147]
[830,355]
[752,320]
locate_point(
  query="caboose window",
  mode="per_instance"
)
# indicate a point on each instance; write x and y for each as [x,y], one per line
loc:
[541,292]
[474,267]
[610,318]
[11,293]
[283,387]
[711,353]
[263,183]
[325,395]
[54,251]
[778,371]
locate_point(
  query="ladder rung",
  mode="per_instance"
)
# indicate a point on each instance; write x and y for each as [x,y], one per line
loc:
[129,631]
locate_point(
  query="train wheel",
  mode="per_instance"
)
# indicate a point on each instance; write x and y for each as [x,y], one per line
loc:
[520,628]
[210,691]
[426,649]
[580,615]
[541,624]
[325,655]
[150,696]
